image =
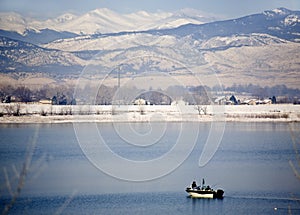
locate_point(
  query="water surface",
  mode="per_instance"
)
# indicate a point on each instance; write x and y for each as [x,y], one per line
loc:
[251,165]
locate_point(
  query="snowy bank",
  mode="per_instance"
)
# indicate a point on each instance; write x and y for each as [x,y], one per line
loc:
[41,113]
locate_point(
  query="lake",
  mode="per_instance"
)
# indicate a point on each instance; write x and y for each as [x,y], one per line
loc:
[144,168]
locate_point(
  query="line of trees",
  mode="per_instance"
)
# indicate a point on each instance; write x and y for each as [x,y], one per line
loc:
[106,95]
[61,95]
[265,92]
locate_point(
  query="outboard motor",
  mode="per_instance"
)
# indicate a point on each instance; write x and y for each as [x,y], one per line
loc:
[219,194]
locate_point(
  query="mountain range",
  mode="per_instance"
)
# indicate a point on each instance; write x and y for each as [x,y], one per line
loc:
[103,21]
[262,48]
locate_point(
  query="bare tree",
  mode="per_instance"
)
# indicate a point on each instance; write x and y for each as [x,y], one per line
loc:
[142,109]
[23,94]
[202,110]
[22,176]
[105,95]
[13,109]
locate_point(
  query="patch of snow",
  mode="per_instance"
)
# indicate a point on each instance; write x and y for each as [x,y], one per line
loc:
[111,42]
[291,20]
[13,22]
[279,11]
[65,18]
[241,40]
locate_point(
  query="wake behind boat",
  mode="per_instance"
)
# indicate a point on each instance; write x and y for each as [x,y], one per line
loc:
[203,191]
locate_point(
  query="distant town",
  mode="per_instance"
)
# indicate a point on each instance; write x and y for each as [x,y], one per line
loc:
[199,95]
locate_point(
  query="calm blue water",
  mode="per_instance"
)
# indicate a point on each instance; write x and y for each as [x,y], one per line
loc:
[152,203]
[251,164]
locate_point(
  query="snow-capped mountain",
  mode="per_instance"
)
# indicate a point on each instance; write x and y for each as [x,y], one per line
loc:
[38,37]
[251,47]
[16,56]
[13,22]
[103,21]
[282,23]
[269,27]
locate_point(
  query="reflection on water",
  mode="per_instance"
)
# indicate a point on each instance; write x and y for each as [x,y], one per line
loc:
[251,162]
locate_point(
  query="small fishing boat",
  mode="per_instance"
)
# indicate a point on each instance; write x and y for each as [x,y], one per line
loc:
[204,191]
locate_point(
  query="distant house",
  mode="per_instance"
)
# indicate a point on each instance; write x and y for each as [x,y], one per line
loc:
[229,102]
[179,103]
[220,100]
[267,101]
[256,102]
[249,102]
[140,102]
[46,101]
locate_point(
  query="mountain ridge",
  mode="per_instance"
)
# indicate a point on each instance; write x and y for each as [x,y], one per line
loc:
[262,47]
[256,23]
[101,20]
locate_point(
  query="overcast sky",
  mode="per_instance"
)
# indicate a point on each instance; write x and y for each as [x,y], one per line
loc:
[226,8]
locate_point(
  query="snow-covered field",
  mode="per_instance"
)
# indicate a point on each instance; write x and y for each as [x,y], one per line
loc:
[39,113]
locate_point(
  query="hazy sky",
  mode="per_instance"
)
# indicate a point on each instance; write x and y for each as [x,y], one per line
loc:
[227,8]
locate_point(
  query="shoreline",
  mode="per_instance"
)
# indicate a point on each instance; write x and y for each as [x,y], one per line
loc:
[39,113]
[62,120]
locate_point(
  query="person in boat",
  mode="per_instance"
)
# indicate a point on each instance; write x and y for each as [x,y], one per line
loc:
[208,188]
[194,185]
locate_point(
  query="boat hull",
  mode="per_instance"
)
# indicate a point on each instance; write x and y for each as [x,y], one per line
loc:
[208,194]
[201,195]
